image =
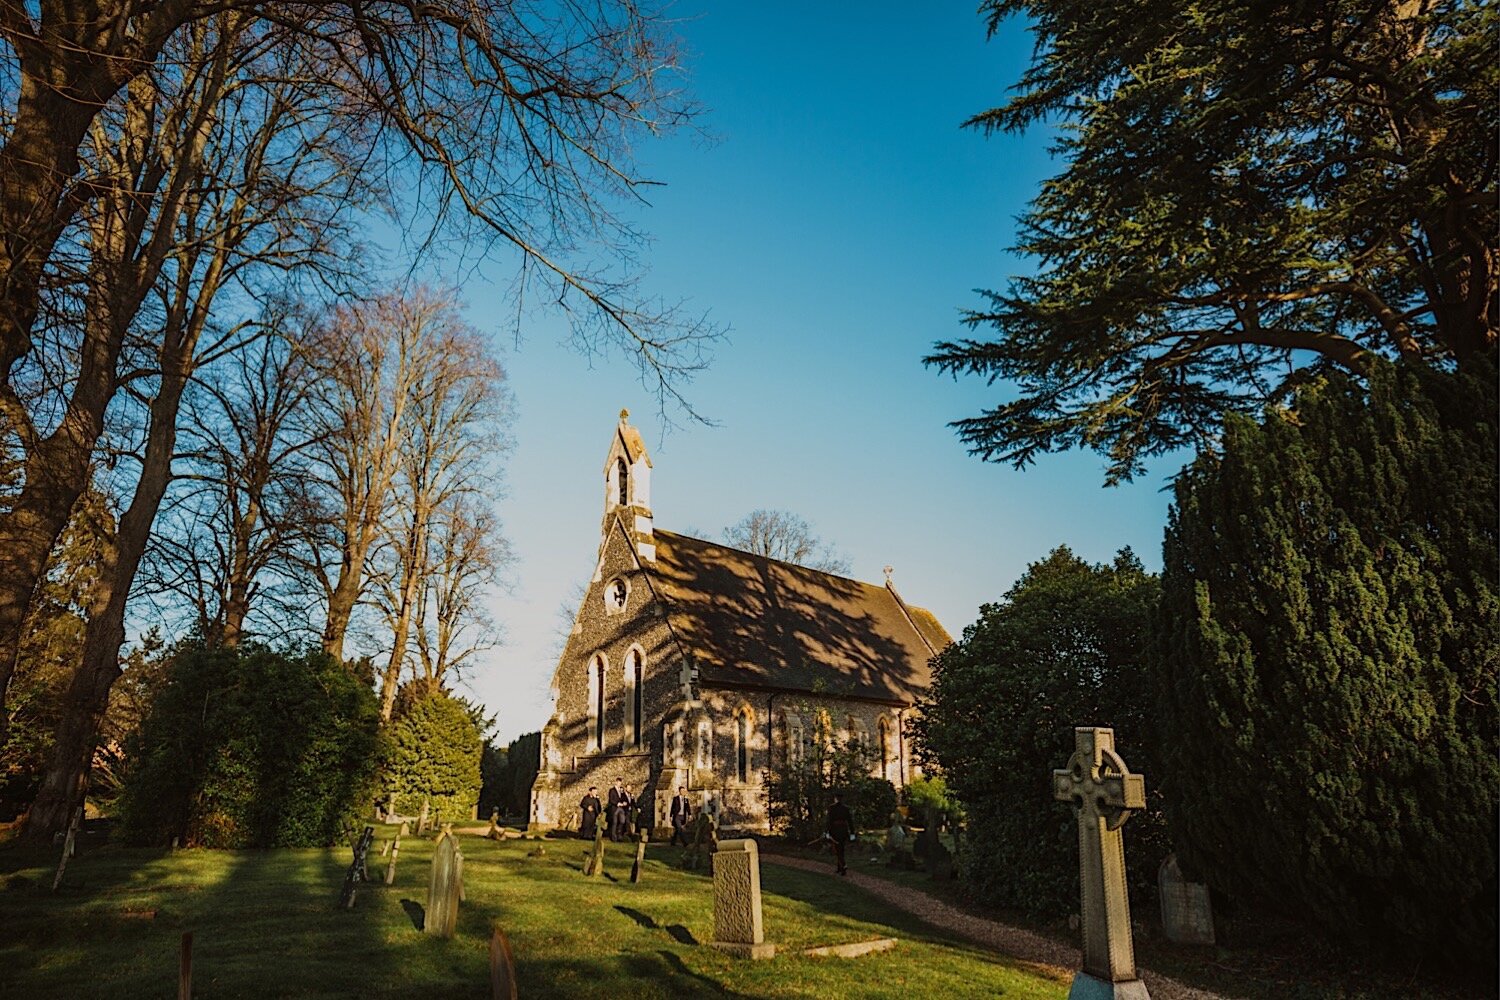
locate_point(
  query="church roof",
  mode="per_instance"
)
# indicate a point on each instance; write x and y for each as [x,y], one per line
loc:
[747,619]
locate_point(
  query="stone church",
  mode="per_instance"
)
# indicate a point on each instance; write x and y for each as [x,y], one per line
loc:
[692,663]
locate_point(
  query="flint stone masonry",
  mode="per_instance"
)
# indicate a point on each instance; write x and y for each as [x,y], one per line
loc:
[738,927]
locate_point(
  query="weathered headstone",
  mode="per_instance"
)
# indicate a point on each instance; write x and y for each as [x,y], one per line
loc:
[1187,915]
[704,839]
[422,819]
[1103,793]
[357,872]
[738,927]
[594,864]
[390,868]
[67,848]
[445,888]
[640,855]
[494,831]
[405,829]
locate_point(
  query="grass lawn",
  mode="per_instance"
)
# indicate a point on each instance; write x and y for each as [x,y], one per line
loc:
[264,926]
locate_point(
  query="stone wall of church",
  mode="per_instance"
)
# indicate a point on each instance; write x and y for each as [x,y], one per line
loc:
[604,629]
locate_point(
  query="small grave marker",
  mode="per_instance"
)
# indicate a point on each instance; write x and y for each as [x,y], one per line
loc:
[1187,914]
[445,888]
[390,868]
[185,968]
[640,856]
[68,844]
[704,837]
[357,872]
[594,864]
[1103,793]
[738,926]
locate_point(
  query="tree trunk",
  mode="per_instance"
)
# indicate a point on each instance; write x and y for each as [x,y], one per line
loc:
[88,691]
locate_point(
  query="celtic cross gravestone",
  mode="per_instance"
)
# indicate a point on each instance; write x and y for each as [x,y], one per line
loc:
[1103,793]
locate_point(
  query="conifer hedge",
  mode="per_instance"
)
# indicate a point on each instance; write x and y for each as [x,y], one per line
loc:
[435,752]
[1327,660]
[252,748]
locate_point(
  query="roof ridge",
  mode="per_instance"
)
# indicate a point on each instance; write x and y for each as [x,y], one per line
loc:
[906,611]
[770,559]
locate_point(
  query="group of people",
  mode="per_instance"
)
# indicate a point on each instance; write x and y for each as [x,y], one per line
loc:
[621,807]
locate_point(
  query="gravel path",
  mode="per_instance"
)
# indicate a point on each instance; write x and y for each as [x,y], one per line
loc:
[1061,959]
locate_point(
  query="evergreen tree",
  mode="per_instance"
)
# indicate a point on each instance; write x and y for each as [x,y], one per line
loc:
[1328,659]
[435,751]
[1065,648]
[1249,187]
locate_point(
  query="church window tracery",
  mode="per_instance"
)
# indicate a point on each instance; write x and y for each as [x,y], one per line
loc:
[635,697]
[597,673]
[742,730]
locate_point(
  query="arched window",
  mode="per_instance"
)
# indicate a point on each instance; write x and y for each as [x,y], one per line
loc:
[742,744]
[705,753]
[596,703]
[885,750]
[622,481]
[635,698]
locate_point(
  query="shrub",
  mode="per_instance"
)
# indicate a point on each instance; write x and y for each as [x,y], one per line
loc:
[252,748]
[1328,658]
[1065,648]
[436,747]
[872,801]
[930,792]
[799,792]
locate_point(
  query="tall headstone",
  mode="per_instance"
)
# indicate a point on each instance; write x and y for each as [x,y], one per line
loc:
[738,927]
[1187,915]
[1103,793]
[640,855]
[594,865]
[704,839]
[445,888]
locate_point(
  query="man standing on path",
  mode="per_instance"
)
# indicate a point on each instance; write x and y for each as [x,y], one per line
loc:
[589,807]
[841,829]
[619,811]
[680,814]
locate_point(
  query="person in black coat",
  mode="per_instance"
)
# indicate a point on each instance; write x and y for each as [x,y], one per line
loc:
[840,829]
[589,807]
[681,812]
[619,811]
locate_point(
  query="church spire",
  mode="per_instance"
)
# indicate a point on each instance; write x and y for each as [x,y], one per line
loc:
[627,485]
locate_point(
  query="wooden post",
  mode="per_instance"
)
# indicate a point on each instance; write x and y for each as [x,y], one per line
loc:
[640,856]
[185,968]
[390,869]
[502,968]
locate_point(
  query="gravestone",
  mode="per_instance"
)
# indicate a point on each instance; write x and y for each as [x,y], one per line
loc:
[704,839]
[640,856]
[502,968]
[422,819]
[738,927]
[1103,793]
[357,872]
[594,864]
[494,831]
[445,888]
[390,868]
[1187,915]
[939,861]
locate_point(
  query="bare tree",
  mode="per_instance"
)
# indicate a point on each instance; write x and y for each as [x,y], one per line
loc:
[778,534]
[451,623]
[448,440]
[517,117]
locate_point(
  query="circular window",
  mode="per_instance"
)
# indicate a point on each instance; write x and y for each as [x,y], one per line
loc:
[616,594]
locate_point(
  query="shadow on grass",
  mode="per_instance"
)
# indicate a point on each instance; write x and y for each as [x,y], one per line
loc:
[415,911]
[677,932]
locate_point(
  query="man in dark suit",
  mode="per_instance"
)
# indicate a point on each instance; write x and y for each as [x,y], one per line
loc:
[681,812]
[619,811]
[589,808]
[840,829]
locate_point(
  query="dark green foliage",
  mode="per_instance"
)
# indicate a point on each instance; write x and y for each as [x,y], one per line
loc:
[1328,648]
[1065,648]
[1250,187]
[252,748]
[509,774]
[435,750]
[871,800]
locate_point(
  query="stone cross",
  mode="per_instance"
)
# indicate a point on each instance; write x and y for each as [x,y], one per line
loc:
[738,928]
[1103,793]
[446,887]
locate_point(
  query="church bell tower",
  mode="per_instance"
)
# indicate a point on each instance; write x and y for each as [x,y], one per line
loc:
[627,487]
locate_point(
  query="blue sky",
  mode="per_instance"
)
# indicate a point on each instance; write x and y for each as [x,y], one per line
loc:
[836,221]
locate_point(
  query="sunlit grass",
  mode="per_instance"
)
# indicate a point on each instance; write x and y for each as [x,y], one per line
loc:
[265,926]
